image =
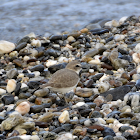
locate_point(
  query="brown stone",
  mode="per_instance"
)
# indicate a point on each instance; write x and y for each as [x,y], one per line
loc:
[96,126]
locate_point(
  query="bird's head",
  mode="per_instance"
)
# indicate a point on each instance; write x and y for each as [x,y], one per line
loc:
[75,66]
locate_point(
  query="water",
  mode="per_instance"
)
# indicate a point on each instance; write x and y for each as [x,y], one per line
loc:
[45,17]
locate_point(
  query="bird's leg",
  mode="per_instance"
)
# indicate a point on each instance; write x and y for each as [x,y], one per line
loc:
[65,100]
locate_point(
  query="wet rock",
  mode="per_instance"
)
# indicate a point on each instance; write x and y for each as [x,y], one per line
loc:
[113,114]
[108,131]
[58,130]
[138,84]
[33,84]
[8,99]
[117,93]
[39,68]
[51,52]
[55,37]
[109,39]
[24,39]
[96,77]
[24,95]
[38,108]
[85,112]
[124,128]
[99,31]
[96,114]
[21,46]
[57,67]
[67,127]
[17,89]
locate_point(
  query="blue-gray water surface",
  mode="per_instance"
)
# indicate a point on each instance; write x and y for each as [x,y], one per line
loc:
[46,17]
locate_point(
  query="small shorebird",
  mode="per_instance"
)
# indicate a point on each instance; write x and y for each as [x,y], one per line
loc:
[64,80]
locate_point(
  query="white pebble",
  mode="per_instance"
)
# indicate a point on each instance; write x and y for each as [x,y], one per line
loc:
[118,37]
[11,85]
[21,75]
[103,87]
[33,52]
[64,117]
[91,70]
[66,136]
[50,63]
[63,59]
[25,58]
[6,47]
[135,77]
[123,19]
[101,121]
[88,122]
[29,137]
[36,73]
[23,85]
[2,91]
[78,104]
[75,118]
[136,57]
[36,43]
[113,23]
[71,39]
[137,48]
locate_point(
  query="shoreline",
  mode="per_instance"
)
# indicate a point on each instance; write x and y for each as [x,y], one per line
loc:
[105,104]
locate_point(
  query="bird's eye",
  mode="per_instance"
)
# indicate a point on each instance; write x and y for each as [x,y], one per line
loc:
[77,66]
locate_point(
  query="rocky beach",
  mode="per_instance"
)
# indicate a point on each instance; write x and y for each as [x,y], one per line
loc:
[105,104]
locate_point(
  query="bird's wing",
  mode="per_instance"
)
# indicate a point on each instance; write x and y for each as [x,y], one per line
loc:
[63,78]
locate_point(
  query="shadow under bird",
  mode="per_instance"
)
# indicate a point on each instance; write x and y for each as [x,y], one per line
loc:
[65,80]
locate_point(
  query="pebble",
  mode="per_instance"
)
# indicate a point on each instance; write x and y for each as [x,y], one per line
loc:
[13,120]
[42,92]
[8,99]
[105,103]
[11,85]
[64,117]
[12,74]
[6,46]
[39,68]
[23,108]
